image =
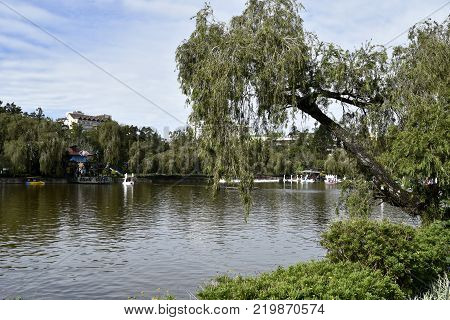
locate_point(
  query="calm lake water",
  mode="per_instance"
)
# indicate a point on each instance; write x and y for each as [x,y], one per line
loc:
[114,242]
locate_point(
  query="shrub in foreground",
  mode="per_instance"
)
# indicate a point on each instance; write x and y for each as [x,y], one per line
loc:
[438,291]
[432,253]
[312,280]
[412,257]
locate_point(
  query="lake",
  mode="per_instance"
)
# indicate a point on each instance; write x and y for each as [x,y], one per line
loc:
[115,242]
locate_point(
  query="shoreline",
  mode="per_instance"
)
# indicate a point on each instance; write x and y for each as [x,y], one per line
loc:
[143,178]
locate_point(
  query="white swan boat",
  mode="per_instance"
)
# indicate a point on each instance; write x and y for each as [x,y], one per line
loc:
[296,180]
[332,179]
[128,181]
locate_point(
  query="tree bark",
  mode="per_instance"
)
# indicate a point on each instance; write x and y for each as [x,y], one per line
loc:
[393,192]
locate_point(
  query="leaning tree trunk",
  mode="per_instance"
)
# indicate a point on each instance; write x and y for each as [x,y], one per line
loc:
[392,191]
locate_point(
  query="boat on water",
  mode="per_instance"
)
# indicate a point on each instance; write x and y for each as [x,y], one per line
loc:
[33,181]
[128,181]
[298,179]
[332,179]
[92,180]
[309,176]
[257,180]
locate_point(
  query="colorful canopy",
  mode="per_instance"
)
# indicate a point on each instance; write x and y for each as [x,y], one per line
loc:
[82,159]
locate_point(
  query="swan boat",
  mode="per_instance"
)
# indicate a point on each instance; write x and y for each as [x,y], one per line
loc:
[128,181]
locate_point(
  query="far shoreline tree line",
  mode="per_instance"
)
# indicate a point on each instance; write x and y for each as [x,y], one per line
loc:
[33,144]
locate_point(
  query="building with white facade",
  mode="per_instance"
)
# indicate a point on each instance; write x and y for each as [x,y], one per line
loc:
[87,122]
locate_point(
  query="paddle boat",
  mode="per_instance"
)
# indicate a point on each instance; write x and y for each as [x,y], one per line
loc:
[331,179]
[128,181]
[33,181]
[291,180]
[92,180]
[309,176]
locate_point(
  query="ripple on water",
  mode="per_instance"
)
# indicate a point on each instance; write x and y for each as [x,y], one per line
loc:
[107,242]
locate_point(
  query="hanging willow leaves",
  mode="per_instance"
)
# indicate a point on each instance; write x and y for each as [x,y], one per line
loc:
[246,77]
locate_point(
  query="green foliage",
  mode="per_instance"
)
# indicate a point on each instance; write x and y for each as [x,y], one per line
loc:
[418,146]
[274,156]
[52,148]
[378,245]
[413,258]
[338,162]
[81,139]
[322,141]
[182,156]
[357,197]
[244,77]
[236,77]
[30,143]
[10,108]
[432,252]
[109,140]
[17,154]
[312,280]
[261,69]
[439,290]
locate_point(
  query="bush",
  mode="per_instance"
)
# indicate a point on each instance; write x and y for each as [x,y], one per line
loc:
[413,258]
[432,253]
[312,280]
[438,291]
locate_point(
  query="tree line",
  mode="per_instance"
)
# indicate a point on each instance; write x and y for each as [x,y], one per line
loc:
[31,143]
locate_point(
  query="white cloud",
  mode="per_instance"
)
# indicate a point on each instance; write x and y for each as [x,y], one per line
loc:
[32,12]
[350,23]
[13,43]
[163,8]
[136,40]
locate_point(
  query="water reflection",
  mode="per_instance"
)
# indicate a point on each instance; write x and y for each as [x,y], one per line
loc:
[128,195]
[112,241]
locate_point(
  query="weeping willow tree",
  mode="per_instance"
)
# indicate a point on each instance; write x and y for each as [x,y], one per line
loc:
[20,145]
[256,72]
[52,147]
[109,141]
[16,151]
[338,162]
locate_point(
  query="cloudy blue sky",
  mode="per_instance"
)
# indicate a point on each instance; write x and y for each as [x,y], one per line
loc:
[135,40]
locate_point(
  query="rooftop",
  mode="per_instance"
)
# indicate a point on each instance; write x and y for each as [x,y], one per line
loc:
[81,116]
